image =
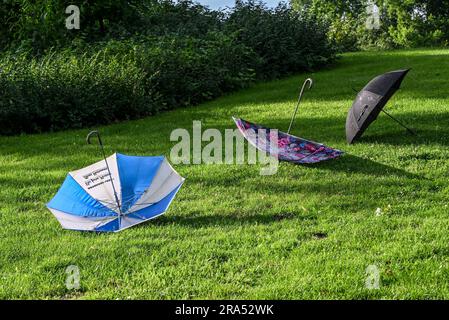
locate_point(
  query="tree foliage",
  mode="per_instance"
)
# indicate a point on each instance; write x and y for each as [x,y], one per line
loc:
[403,23]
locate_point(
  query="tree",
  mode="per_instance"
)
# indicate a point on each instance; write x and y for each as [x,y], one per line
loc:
[403,23]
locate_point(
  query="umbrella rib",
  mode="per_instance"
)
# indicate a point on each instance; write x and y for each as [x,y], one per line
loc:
[92,133]
[399,122]
[316,151]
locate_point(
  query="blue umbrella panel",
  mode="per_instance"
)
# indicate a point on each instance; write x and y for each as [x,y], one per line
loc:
[116,193]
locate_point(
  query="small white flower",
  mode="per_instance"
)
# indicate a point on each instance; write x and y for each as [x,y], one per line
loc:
[378,212]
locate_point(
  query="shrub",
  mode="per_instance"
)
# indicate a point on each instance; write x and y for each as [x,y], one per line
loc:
[287,41]
[39,25]
[62,91]
[155,55]
[117,81]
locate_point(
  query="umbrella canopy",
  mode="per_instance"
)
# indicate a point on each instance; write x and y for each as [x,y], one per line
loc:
[370,101]
[288,147]
[115,193]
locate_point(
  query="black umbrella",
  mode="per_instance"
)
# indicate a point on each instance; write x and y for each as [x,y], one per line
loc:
[370,102]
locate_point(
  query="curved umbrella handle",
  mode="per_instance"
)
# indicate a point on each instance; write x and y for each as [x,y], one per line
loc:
[94,133]
[308,81]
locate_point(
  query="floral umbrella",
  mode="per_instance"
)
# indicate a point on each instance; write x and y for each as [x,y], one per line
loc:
[288,147]
[285,146]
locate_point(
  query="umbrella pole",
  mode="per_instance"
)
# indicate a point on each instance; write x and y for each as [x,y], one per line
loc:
[96,133]
[400,123]
[310,82]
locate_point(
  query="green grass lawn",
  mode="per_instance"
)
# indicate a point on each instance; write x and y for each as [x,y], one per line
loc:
[307,232]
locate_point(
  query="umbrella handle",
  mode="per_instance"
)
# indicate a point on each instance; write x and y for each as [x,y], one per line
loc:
[97,134]
[94,133]
[307,81]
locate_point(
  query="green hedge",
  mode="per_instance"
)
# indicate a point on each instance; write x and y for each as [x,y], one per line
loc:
[62,90]
[287,41]
[92,81]
[120,81]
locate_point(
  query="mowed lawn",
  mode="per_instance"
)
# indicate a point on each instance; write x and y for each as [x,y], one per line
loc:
[307,232]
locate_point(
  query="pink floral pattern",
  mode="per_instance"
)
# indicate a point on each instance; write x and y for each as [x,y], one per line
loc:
[285,146]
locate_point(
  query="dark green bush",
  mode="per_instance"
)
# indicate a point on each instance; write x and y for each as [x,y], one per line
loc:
[39,25]
[182,17]
[122,80]
[152,56]
[287,41]
[63,91]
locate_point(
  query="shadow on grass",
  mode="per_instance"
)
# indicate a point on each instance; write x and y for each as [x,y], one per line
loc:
[430,128]
[199,221]
[399,137]
[353,164]
[335,84]
[355,73]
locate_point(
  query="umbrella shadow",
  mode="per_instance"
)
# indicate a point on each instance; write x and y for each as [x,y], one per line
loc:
[346,164]
[430,128]
[400,137]
[354,164]
[199,221]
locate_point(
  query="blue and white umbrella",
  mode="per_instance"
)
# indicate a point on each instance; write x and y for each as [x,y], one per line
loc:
[115,193]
